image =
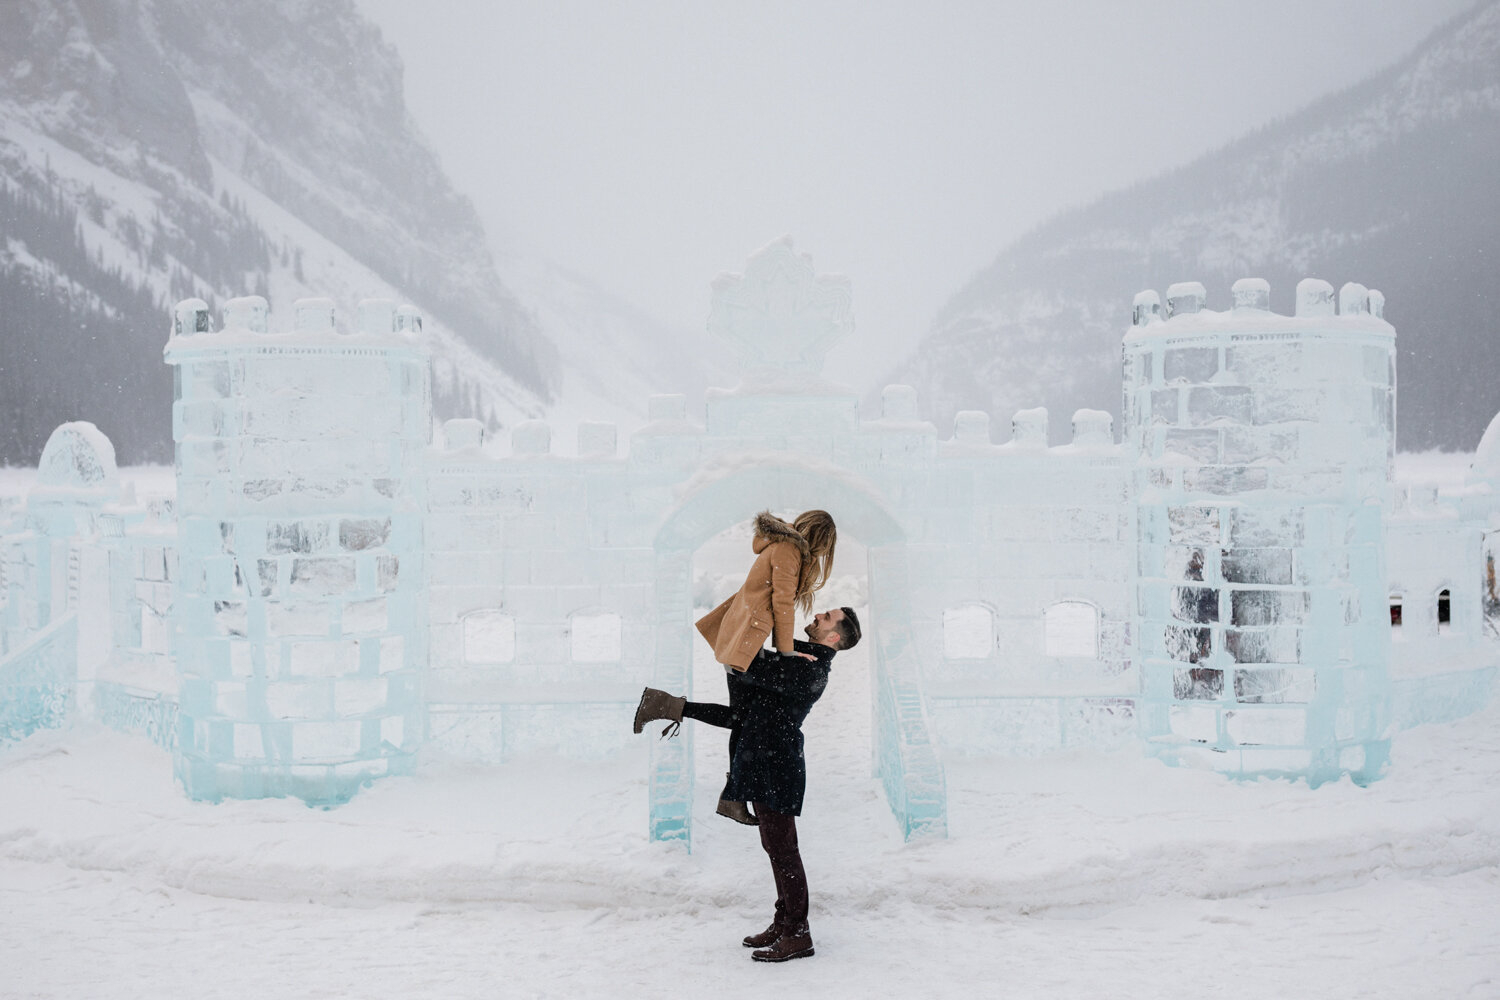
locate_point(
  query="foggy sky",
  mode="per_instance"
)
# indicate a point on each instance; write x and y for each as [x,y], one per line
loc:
[649,146]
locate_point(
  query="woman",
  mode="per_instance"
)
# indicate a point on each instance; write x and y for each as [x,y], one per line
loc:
[792,562]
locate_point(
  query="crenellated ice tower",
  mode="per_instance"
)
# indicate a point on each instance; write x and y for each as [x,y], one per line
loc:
[1262,448]
[299,629]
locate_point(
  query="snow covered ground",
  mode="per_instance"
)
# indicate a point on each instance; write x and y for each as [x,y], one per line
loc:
[1077,875]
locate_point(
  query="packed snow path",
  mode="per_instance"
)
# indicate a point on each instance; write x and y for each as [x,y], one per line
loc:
[1071,876]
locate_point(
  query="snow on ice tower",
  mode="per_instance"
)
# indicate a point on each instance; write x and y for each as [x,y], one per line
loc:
[299,637]
[1263,447]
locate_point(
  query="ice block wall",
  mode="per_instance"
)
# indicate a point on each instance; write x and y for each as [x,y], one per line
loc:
[1262,447]
[135,689]
[1441,575]
[300,636]
[1021,563]
[540,586]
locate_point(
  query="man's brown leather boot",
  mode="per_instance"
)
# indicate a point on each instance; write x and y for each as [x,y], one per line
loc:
[794,943]
[768,936]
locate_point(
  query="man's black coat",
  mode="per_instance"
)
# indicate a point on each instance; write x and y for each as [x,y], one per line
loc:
[770,700]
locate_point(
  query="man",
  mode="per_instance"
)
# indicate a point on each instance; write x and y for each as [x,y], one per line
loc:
[767,768]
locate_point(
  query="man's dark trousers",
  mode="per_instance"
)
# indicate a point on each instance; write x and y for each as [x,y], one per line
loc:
[767,767]
[778,835]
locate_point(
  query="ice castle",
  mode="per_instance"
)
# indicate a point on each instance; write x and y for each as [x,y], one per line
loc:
[1237,583]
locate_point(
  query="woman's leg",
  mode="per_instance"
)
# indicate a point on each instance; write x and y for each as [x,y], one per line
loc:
[706,711]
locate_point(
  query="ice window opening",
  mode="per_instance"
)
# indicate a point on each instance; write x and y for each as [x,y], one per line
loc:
[489,636]
[1395,611]
[1444,611]
[595,638]
[1071,628]
[1491,596]
[968,632]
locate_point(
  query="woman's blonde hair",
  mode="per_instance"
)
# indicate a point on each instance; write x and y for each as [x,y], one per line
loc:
[817,527]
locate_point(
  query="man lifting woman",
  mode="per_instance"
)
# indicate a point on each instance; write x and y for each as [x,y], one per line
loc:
[770,694]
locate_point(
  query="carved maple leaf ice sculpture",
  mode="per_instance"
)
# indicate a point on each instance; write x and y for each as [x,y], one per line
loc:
[779,317]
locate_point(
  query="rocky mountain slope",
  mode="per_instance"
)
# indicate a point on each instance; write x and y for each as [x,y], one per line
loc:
[155,149]
[1390,183]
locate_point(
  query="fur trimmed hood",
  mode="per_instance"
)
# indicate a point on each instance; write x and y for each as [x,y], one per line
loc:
[774,529]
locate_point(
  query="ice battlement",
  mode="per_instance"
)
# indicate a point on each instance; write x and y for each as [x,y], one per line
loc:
[467,440]
[315,326]
[1185,311]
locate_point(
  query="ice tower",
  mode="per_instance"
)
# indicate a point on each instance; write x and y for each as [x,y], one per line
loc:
[298,626]
[1263,446]
[39,579]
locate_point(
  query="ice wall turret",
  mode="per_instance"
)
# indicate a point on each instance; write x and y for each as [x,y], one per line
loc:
[39,574]
[1263,447]
[300,639]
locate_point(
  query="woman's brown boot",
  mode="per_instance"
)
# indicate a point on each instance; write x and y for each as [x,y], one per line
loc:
[657,705]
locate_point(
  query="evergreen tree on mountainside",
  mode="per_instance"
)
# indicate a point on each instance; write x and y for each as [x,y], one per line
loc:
[161,124]
[81,342]
[1389,183]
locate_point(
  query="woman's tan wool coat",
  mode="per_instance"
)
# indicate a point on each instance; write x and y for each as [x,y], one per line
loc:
[765,606]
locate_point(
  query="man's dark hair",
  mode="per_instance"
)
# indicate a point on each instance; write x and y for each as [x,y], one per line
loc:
[848,629]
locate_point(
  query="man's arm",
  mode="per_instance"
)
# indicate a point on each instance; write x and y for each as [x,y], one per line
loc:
[784,673]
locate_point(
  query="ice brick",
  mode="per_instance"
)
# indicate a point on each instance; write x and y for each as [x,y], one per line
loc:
[1199,605]
[1273,727]
[968,632]
[1215,404]
[1197,684]
[1195,526]
[1266,645]
[1267,565]
[489,636]
[326,658]
[1199,724]
[1190,365]
[1187,644]
[1274,686]
[359,533]
[1204,446]
[322,576]
[302,536]
[595,638]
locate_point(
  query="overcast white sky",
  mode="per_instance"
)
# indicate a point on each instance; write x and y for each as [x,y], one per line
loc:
[648,146]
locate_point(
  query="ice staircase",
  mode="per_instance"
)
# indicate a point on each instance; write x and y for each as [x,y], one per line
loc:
[38,681]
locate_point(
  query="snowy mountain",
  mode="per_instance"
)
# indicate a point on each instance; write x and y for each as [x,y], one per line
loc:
[1390,183]
[155,149]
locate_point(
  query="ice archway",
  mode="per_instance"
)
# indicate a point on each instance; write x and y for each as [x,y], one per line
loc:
[904,758]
